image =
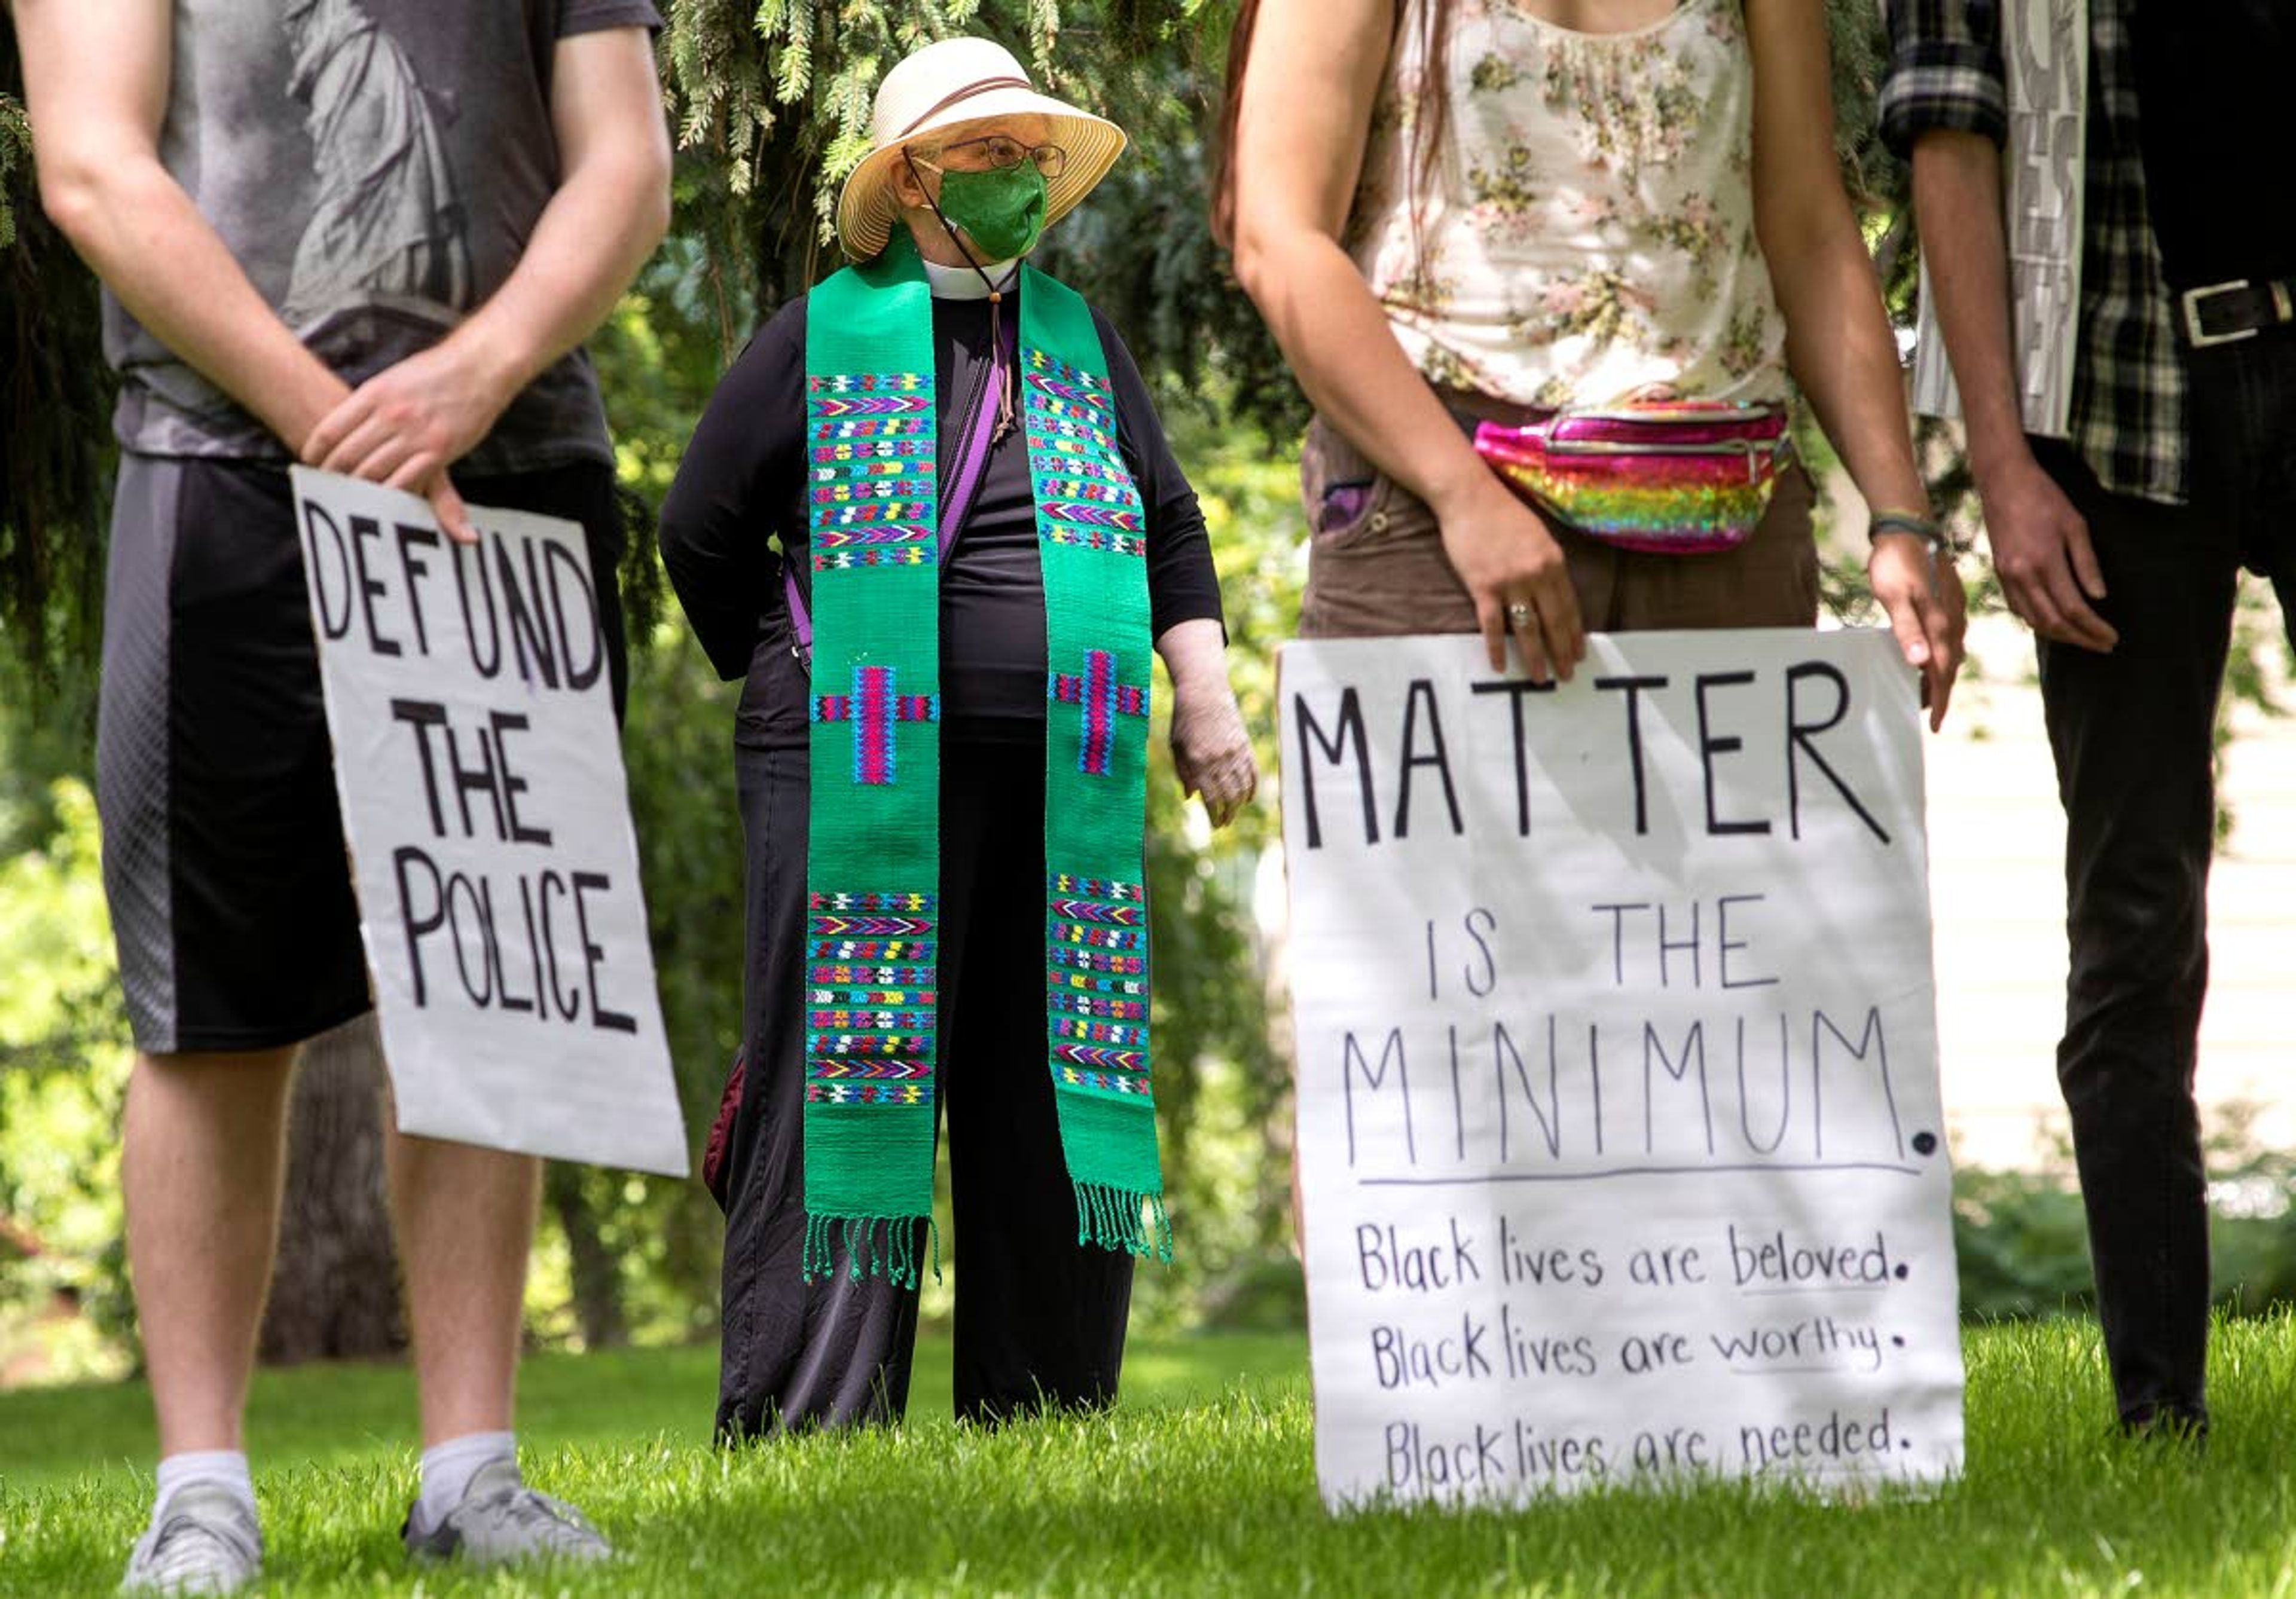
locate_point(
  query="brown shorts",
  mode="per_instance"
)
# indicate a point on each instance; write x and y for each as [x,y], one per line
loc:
[1376,566]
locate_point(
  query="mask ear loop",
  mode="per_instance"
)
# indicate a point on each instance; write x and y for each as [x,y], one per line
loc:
[997,373]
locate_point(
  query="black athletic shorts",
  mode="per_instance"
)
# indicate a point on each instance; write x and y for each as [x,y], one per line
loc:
[223,844]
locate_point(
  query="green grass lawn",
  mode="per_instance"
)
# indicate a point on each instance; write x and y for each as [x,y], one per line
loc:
[1202,1482]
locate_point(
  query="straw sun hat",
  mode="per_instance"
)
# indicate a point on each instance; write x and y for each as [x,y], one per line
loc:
[959,81]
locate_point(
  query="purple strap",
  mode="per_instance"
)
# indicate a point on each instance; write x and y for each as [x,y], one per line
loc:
[972,465]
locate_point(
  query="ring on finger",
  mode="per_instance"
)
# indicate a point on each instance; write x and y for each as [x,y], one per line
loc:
[1518,613]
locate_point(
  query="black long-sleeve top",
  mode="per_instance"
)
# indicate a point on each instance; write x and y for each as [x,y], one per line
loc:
[743,479]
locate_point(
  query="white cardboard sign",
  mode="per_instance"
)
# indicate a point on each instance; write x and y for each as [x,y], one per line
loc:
[488,814]
[1620,1145]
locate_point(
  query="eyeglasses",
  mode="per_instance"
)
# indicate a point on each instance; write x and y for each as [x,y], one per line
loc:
[997,154]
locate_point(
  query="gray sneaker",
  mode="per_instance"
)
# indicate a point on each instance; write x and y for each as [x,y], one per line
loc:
[208,1543]
[501,1520]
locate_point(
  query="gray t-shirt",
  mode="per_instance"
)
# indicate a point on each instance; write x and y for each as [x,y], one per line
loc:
[377,167]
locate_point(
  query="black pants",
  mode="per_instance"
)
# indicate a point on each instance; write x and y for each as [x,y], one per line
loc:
[1039,1318]
[2132,734]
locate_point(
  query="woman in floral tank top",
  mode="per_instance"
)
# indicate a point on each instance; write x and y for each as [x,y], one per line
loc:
[1496,208]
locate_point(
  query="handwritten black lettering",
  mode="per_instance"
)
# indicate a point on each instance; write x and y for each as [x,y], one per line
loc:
[1870,1038]
[1422,692]
[1527,1260]
[503,723]
[1666,1265]
[1709,746]
[412,569]
[1386,1261]
[485,661]
[1414,1460]
[333,623]
[1334,749]
[1668,947]
[565,572]
[1481,982]
[1619,936]
[1633,688]
[1641,1354]
[410,866]
[364,528]
[1569,1455]
[1838,1438]
[468,909]
[1746,1097]
[587,883]
[1776,1259]
[529,617]
[1693,1057]
[1514,688]
[1801,740]
[1401,1358]
[424,715]
[1504,1054]
[1727,944]
[1352,1062]
[1531,1354]
[1676,1449]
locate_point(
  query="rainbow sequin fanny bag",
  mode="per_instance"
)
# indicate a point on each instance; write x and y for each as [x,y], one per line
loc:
[1678,477]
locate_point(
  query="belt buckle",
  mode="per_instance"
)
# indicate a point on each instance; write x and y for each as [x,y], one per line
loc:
[2191,299]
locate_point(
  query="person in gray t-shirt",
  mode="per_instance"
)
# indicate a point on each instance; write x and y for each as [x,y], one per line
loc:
[376,168]
[370,235]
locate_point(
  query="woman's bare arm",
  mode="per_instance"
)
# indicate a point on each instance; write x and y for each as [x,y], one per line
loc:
[1300,134]
[1838,341]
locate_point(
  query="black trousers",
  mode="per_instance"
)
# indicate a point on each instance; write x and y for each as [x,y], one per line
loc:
[2132,734]
[1040,1319]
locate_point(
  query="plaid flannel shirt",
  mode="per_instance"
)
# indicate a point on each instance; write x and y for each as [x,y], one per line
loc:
[1946,71]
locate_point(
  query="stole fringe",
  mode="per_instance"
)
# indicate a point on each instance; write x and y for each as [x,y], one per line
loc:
[1112,1218]
[873,1246]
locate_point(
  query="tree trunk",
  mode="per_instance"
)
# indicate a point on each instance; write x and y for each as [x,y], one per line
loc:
[335,1290]
[596,1274]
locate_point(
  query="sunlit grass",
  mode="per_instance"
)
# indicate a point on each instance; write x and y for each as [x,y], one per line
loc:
[1202,1482]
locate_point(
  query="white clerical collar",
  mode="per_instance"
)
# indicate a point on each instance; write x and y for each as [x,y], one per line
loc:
[962,282]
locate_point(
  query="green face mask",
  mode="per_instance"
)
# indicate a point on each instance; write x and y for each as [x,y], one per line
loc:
[1002,212]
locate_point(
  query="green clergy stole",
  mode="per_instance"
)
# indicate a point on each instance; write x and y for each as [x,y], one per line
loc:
[873,860]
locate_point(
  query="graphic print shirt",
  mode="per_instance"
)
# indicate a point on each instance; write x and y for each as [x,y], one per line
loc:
[376,167]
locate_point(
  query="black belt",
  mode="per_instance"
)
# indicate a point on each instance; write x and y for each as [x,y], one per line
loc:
[2226,313]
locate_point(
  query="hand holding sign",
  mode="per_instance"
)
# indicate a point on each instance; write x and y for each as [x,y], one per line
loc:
[405,426]
[469,695]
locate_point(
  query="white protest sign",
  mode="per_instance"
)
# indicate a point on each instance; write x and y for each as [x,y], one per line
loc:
[480,774]
[1621,1144]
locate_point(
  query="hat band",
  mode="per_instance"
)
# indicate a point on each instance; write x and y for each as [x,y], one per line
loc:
[985,85]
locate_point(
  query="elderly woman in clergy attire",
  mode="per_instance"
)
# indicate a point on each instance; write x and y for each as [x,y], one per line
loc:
[941,749]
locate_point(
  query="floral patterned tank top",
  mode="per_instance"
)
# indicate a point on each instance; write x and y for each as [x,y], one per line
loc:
[1586,234]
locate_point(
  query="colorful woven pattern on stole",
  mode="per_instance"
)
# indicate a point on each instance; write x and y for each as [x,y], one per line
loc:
[873,868]
[1090,540]
[873,858]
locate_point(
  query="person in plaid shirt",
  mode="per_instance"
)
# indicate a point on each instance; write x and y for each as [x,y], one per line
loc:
[2121,545]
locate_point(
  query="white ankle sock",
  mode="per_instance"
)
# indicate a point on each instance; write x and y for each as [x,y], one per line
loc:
[447,1469]
[225,1468]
